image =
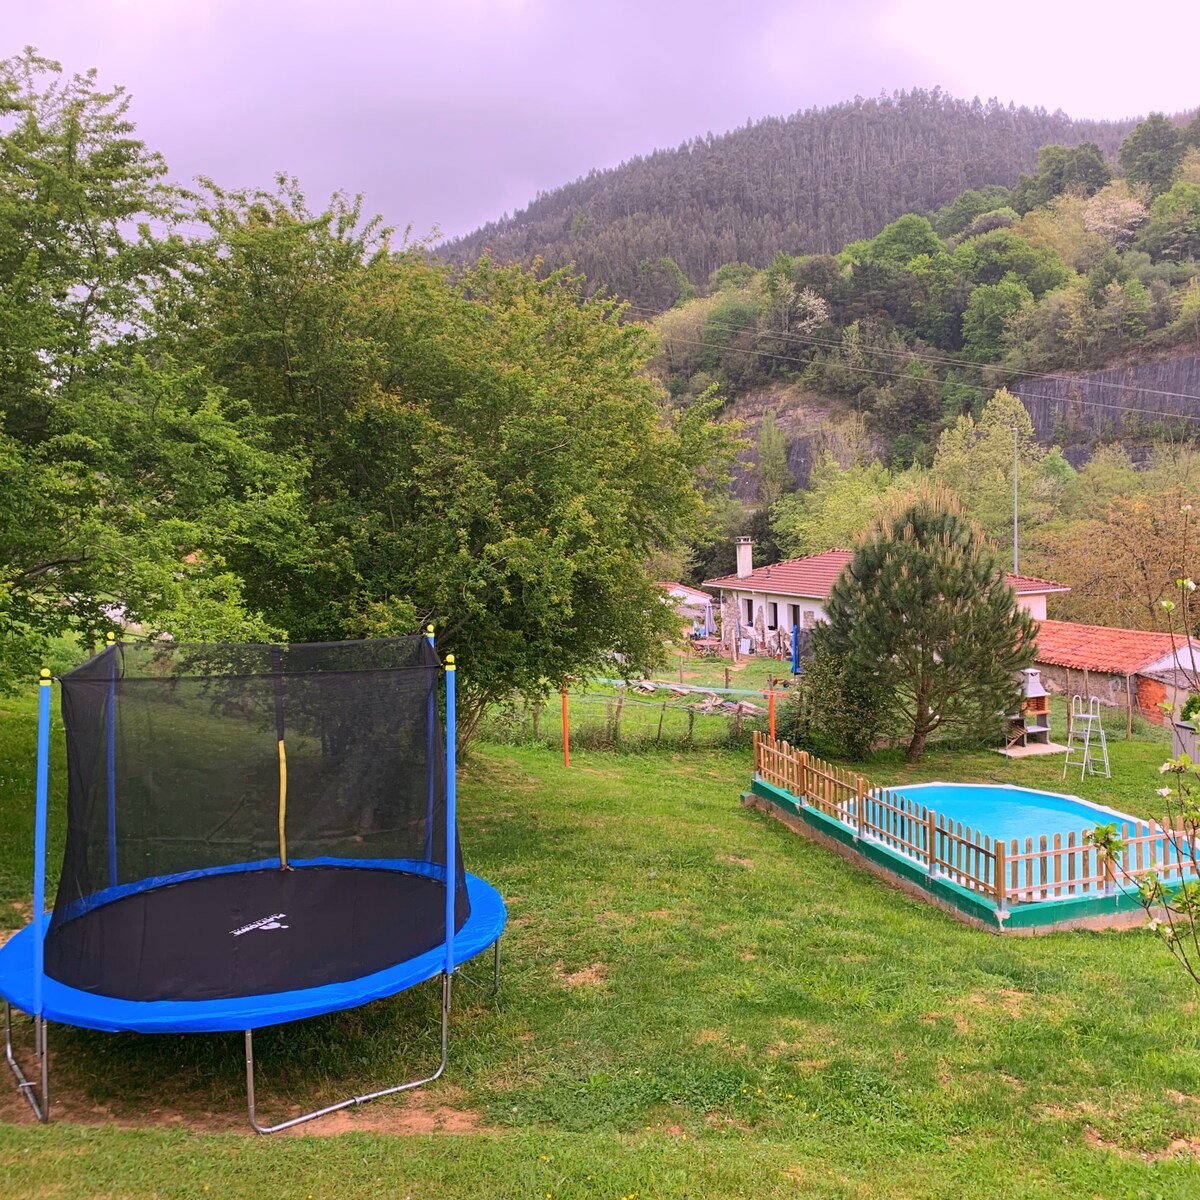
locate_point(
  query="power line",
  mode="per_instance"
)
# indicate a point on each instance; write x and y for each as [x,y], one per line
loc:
[937,359]
[978,387]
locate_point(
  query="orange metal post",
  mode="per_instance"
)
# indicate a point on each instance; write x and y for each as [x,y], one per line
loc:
[566,732]
[771,710]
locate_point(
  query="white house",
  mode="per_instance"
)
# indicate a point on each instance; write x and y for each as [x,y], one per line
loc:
[694,606]
[794,592]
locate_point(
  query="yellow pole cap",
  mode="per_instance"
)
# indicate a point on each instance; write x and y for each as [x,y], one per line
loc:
[44,677]
[429,630]
[110,637]
[449,662]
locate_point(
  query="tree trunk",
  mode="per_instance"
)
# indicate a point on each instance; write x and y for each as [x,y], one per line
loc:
[917,746]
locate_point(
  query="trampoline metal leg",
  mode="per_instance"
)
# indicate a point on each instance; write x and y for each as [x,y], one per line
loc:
[353,1100]
[42,1052]
[496,970]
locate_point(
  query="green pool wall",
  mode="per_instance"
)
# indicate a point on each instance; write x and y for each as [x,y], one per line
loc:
[1041,916]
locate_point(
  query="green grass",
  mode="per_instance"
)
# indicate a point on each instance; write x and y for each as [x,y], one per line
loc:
[696,1003]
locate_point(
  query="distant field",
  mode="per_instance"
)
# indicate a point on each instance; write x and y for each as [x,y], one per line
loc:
[696,1003]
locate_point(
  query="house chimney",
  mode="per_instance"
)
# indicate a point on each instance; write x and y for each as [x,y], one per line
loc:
[745,556]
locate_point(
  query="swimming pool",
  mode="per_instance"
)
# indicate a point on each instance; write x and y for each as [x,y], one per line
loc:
[1005,812]
[1041,838]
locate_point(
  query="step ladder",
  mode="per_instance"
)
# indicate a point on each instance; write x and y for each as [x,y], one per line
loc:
[1087,747]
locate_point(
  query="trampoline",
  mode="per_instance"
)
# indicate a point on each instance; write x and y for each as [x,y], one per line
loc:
[255,834]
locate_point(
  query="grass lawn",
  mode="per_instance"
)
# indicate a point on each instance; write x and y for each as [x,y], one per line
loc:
[696,1003]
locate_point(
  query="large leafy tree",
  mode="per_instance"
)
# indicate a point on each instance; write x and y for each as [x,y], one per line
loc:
[122,475]
[923,614]
[484,451]
[1078,169]
[1151,154]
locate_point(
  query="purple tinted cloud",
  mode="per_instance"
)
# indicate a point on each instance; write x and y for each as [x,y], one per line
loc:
[448,114]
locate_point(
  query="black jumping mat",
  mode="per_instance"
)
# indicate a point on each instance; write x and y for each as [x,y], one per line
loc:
[250,933]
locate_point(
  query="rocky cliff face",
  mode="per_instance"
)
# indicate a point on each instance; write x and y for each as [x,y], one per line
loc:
[1134,403]
[805,419]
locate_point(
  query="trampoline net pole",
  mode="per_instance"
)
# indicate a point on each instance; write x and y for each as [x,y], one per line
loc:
[39,839]
[111,763]
[451,800]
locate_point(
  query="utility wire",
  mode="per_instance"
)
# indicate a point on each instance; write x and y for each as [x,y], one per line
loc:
[940,359]
[977,387]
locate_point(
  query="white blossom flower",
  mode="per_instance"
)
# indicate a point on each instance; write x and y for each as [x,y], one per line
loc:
[1164,791]
[1164,768]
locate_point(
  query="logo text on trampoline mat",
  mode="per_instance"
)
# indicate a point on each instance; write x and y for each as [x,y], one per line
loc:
[271,922]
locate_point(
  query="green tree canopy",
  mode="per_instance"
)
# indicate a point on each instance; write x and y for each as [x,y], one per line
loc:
[924,615]
[990,309]
[837,506]
[1001,253]
[126,477]
[897,244]
[484,451]
[974,461]
[951,220]
[1151,154]
[1079,169]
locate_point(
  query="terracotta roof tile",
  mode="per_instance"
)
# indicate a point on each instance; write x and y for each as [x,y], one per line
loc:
[1101,647]
[688,593]
[814,575]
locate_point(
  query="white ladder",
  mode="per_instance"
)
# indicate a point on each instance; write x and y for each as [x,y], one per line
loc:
[1086,735]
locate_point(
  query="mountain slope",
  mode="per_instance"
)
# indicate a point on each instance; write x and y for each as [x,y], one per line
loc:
[807,183]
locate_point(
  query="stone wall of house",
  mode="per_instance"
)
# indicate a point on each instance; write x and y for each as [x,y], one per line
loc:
[1109,690]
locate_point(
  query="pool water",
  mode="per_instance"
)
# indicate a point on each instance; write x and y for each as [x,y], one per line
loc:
[1004,812]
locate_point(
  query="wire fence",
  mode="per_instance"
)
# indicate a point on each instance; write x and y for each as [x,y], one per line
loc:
[634,717]
[629,717]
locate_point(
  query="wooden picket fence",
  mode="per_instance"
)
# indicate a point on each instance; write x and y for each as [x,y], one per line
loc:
[1005,872]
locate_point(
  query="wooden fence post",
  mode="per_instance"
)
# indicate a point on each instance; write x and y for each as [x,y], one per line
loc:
[931,840]
[999,883]
[802,774]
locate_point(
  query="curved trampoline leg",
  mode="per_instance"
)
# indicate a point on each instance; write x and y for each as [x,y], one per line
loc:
[496,970]
[353,1100]
[41,1051]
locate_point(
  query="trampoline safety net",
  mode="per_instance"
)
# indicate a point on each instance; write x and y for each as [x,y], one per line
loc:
[296,789]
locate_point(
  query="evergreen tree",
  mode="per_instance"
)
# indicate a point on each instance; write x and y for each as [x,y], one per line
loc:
[924,613]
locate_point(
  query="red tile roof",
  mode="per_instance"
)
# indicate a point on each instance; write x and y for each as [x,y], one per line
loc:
[1102,648]
[688,593]
[813,576]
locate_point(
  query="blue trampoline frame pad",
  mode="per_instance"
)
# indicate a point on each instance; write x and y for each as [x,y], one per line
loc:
[70,1006]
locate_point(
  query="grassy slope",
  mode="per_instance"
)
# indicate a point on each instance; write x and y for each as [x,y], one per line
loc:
[696,1003]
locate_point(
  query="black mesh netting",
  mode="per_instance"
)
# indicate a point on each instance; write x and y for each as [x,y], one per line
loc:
[174,816]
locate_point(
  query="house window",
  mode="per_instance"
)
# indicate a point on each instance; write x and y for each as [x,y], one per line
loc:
[793,615]
[749,612]
[810,618]
[772,615]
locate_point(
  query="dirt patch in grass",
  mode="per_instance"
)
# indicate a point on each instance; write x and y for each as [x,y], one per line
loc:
[1176,1148]
[592,975]
[415,1114]
[735,861]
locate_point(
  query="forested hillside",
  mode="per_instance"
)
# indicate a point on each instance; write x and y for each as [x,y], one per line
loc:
[655,226]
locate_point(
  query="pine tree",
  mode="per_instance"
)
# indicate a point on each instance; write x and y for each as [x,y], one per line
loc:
[924,614]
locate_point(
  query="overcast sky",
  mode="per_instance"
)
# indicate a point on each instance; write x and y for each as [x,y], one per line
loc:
[448,113]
